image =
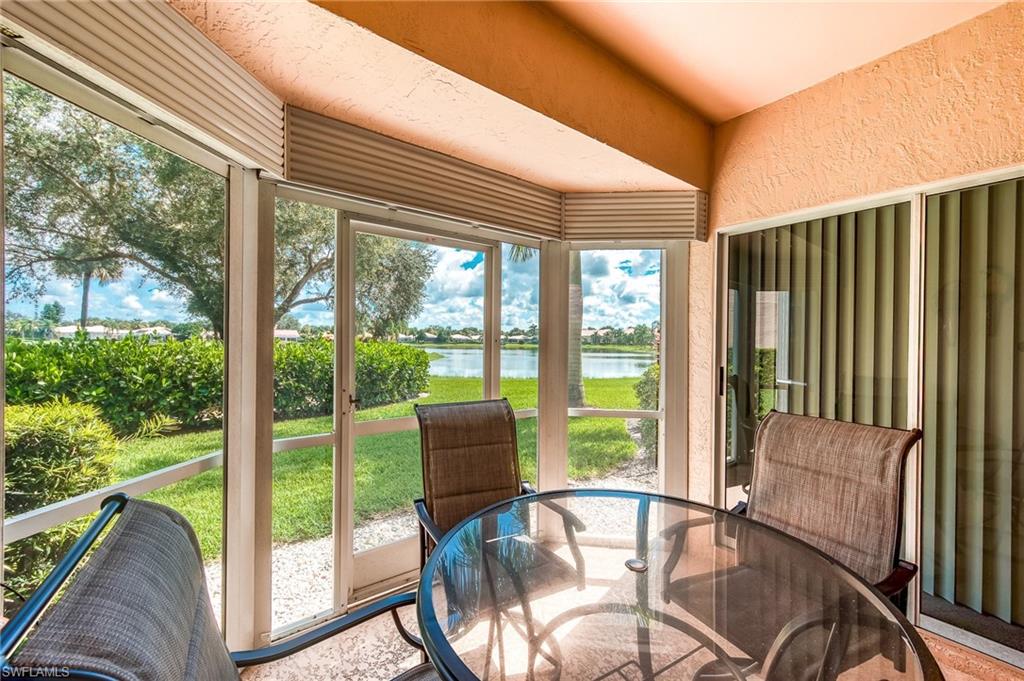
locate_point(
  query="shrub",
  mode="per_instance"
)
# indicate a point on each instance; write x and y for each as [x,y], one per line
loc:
[128,380]
[54,451]
[133,379]
[647,390]
[389,372]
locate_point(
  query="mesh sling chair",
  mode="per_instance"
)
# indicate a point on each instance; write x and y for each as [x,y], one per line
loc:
[138,610]
[471,461]
[837,486]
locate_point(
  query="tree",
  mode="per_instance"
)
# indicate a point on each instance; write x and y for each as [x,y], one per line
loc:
[87,268]
[391,278]
[391,274]
[85,196]
[52,314]
[289,321]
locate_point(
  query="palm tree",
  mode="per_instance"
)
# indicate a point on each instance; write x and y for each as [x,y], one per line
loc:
[577,397]
[76,262]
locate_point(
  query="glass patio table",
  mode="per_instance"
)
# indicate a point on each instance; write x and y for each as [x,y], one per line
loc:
[604,584]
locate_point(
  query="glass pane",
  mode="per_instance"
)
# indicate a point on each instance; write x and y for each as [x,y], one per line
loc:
[419,317]
[114,284]
[389,477]
[520,335]
[303,553]
[972,567]
[303,550]
[614,328]
[817,325]
[613,453]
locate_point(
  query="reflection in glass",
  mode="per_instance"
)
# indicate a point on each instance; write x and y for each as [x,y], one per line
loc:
[817,325]
[973,469]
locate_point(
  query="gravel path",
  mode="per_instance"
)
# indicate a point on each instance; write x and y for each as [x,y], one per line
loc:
[302,575]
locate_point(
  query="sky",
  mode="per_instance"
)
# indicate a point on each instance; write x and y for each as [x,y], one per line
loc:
[621,288]
[136,296]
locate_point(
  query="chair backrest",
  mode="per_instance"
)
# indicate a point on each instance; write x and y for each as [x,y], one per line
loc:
[838,486]
[470,458]
[138,609]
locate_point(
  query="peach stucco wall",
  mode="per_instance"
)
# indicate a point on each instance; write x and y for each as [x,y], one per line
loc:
[949,105]
[531,55]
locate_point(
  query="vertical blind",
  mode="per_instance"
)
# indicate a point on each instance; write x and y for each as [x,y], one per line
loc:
[973,532]
[838,322]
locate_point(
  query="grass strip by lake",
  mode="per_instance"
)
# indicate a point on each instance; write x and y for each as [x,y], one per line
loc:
[387,466]
[587,347]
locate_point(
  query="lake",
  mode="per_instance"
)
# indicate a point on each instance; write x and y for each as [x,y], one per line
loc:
[519,363]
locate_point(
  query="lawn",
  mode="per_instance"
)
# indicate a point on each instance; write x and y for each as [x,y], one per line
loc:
[387,466]
[587,347]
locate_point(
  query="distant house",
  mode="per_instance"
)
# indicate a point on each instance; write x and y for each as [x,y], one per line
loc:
[460,338]
[518,338]
[588,333]
[405,338]
[160,332]
[429,336]
[94,332]
[286,335]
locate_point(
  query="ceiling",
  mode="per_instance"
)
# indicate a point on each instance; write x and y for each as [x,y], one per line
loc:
[327,64]
[727,58]
[720,59]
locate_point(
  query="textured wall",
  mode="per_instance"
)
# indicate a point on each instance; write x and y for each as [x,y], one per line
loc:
[950,105]
[702,370]
[531,55]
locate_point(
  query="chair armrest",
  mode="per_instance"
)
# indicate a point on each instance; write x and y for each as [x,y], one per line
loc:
[898,579]
[247,658]
[428,524]
[527,488]
[568,517]
[740,508]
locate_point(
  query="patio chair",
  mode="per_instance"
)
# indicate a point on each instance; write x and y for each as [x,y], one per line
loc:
[837,486]
[139,610]
[470,457]
[471,461]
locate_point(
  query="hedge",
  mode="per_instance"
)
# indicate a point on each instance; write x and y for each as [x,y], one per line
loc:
[647,390]
[54,451]
[132,379]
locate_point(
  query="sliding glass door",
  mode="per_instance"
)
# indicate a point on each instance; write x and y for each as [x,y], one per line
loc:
[973,474]
[830,317]
[817,316]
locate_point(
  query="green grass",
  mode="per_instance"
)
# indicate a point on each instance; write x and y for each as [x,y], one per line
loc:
[387,466]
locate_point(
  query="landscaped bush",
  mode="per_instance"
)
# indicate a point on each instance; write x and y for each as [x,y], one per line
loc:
[133,379]
[385,373]
[129,380]
[54,451]
[647,389]
[390,372]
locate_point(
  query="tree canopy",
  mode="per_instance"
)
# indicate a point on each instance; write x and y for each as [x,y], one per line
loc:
[87,199]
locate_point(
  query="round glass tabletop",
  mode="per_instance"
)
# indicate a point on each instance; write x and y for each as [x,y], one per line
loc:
[598,584]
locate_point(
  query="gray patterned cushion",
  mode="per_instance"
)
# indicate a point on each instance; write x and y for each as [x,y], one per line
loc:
[138,610]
